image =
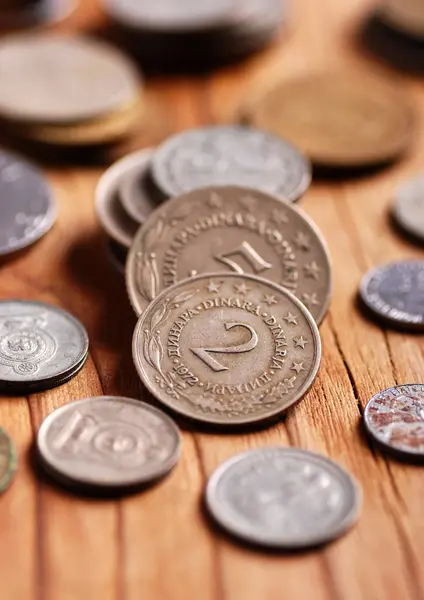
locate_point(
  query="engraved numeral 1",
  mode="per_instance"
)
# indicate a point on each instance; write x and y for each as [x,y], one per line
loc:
[254,259]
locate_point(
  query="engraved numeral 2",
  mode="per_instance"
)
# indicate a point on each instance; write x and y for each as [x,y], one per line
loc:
[257,263]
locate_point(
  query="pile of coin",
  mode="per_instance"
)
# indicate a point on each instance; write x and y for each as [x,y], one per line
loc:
[191,34]
[67,91]
[29,13]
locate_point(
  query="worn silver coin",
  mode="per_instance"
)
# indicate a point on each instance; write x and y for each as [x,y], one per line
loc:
[408,209]
[27,208]
[108,442]
[230,155]
[283,498]
[136,197]
[40,344]
[395,293]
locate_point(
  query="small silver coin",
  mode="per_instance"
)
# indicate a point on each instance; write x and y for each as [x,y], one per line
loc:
[136,198]
[108,442]
[394,418]
[39,344]
[27,209]
[394,292]
[408,209]
[230,155]
[283,498]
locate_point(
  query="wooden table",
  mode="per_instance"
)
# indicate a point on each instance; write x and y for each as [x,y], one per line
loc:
[158,544]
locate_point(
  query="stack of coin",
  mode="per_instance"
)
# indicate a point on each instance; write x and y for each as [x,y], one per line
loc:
[28,13]
[67,91]
[190,34]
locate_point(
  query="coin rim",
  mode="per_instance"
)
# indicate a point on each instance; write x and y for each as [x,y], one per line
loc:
[398,209]
[6,481]
[140,155]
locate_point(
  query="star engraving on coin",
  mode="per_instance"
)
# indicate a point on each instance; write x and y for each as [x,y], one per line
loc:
[225,358]
[270,299]
[291,319]
[186,235]
[312,270]
[300,342]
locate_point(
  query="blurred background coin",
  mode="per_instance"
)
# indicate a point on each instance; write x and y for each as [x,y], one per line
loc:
[408,209]
[137,196]
[30,13]
[8,460]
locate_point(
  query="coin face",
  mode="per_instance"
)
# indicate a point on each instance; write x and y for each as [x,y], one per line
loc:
[108,442]
[408,209]
[394,292]
[27,209]
[228,349]
[136,198]
[338,120]
[394,418]
[230,229]
[8,460]
[283,498]
[230,156]
[62,79]
[38,343]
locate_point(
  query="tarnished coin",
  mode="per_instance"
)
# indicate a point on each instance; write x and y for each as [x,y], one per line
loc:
[229,155]
[394,418]
[408,209]
[27,209]
[136,197]
[395,293]
[58,79]
[8,460]
[283,498]
[339,120]
[40,344]
[230,229]
[108,442]
[228,349]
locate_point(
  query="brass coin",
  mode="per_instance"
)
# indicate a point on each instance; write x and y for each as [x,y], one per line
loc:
[227,348]
[229,229]
[8,460]
[338,120]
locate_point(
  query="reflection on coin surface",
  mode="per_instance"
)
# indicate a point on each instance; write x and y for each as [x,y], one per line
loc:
[395,419]
[283,498]
[395,292]
[227,348]
[338,120]
[109,442]
[230,156]
[27,209]
[61,78]
[8,460]
[408,209]
[136,199]
[230,229]
[38,343]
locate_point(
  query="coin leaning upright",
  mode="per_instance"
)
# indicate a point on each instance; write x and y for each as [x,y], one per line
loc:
[230,229]
[227,349]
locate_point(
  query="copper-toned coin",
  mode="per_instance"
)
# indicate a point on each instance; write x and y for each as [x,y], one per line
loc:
[339,120]
[229,349]
[230,229]
[394,418]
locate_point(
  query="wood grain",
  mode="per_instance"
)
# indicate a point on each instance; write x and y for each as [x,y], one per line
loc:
[158,544]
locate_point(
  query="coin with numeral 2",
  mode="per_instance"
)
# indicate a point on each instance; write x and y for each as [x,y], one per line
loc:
[227,348]
[230,229]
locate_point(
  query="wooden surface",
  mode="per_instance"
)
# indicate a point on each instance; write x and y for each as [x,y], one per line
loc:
[158,544]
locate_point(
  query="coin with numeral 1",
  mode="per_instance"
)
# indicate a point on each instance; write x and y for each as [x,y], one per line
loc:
[227,348]
[232,229]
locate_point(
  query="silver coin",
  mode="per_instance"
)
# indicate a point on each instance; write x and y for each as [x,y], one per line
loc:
[136,198]
[215,156]
[408,209]
[394,418]
[27,209]
[113,218]
[395,292]
[108,442]
[63,79]
[283,498]
[39,343]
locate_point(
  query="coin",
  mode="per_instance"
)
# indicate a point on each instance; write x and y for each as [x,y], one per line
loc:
[8,461]
[29,14]
[283,498]
[232,229]
[59,79]
[339,120]
[394,292]
[230,155]
[39,344]
[408,209]
[226,348]
[27,209]
[136,197]
[108,442]
[394,418]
